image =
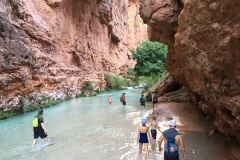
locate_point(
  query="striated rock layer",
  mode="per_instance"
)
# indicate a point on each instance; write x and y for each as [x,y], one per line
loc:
[49,49]
[203,39]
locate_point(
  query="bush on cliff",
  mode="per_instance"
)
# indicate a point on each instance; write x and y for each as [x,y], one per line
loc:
[114,82]
[150,58]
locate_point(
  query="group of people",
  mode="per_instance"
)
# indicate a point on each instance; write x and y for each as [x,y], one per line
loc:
[173,140]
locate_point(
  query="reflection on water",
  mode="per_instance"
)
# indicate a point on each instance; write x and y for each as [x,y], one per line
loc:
[90,128]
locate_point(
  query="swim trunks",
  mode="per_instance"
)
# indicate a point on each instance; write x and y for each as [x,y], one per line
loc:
[154,133]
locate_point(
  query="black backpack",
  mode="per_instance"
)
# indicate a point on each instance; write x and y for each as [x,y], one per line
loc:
[142,100]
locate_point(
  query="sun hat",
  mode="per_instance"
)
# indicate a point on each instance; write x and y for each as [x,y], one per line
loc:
[172,123]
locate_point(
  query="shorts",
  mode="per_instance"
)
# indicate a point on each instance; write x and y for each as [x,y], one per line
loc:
[154,102]
[154,133]
[170,158]
[124,103]
[41,135]
[142,104]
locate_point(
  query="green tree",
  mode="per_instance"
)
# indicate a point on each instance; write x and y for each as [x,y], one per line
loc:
[150,58]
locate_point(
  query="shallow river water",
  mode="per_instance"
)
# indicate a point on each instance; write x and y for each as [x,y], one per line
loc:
[90,129]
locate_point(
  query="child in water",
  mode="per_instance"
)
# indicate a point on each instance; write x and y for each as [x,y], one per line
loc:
[109,99]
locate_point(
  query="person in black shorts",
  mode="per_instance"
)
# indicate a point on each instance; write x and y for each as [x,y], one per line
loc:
[40,130]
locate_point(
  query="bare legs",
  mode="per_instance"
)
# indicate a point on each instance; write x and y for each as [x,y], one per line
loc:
[145,147]
[35,140]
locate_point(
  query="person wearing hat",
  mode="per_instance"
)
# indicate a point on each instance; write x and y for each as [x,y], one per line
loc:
[40,130]
[172,140]
[143,136]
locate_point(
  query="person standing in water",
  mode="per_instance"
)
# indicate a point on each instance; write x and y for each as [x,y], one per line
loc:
[142,102]
[154,101]
[123,99]
[172,140]
[143,136]
[109,99]
[40,130]
[154,126]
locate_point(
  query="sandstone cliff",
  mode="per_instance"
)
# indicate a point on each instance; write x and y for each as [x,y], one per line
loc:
[49,49]
[203,39]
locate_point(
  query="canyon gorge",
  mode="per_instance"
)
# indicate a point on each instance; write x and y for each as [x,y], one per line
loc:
[49,49]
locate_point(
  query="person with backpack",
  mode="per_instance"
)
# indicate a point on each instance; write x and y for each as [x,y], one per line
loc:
[172,140]
[123,99]
[142,102]
[39,129]
[154,101]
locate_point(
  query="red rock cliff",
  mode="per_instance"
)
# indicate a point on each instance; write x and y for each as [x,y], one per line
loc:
[50,48]
[203,39]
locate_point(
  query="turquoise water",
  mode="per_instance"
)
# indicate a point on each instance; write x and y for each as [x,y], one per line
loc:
[89,128]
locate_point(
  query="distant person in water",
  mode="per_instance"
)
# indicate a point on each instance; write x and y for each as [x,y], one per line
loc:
[40,130]
[142,102]
[154,126]
[123,99]
[172,140]
[109,99]
[143,136]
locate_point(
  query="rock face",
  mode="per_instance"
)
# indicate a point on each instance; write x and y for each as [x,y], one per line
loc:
[49,49]
[203,39]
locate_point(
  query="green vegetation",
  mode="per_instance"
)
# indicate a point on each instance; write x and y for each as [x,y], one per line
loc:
[150,66]
[115,82]
[150,58]
[12,113]
[45,104]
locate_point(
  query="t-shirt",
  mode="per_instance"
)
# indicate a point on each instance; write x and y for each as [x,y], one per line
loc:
[39,128]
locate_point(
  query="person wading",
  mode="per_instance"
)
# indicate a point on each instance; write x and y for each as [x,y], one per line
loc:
[143,136]
[154,127]
[123,99]
[142,102]
[172,140]
[39,129]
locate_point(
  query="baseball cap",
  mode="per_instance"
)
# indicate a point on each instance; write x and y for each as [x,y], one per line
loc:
[172,123]
[40,111]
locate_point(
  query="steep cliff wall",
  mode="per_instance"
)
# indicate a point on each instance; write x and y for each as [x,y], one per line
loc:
[203,38]
[49,49]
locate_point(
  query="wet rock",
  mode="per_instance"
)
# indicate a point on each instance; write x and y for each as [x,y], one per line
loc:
[203,40]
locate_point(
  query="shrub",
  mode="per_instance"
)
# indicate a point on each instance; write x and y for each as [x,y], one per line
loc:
[114,82]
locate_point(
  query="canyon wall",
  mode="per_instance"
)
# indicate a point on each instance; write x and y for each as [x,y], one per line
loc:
[49,49]
[203,39]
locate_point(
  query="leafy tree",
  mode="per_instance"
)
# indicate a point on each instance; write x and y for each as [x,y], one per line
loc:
[150,58]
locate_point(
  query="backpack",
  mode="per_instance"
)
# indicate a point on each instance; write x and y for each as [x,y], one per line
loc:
[155,98]
[142,100]
[172,148]
[35,122]
[121,98]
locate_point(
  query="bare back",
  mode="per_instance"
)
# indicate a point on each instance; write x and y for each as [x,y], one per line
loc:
[154,125]
[143,129]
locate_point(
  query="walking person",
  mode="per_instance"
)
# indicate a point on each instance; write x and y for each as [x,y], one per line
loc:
[154,101]
[154,126]
[142,102]
[123,99]
[172,140]
[39,128]
[143,136]
[109,99]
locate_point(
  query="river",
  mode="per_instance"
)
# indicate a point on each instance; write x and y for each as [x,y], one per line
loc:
[90,129]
